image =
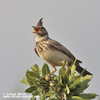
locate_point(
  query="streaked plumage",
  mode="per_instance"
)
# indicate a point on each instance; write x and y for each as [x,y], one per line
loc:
[52,51]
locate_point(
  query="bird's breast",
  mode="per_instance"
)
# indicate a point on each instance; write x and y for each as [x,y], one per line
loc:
[53,57]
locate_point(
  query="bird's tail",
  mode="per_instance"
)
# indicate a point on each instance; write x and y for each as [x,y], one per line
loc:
[79,69]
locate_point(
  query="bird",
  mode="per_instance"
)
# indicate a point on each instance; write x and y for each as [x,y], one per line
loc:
[53,52]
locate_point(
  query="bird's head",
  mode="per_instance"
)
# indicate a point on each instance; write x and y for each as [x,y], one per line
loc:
[40,31]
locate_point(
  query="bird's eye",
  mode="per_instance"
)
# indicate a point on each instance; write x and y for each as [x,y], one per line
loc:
[42,28]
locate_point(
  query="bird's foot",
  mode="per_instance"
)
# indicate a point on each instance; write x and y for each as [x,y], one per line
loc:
[66,69]
[54,69]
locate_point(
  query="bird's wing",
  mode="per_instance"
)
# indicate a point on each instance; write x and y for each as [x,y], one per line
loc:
[56,45]
[36,51]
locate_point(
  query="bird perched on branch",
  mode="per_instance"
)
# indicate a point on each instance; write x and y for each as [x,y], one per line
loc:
[52,51]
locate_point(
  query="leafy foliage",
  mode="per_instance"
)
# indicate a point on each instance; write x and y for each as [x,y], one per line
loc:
[69,86]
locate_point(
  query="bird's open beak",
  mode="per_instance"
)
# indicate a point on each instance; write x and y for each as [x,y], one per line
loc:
[36,30]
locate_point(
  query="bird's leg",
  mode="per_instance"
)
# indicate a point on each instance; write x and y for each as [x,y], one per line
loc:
[66,68]
[65,65]
[54,69]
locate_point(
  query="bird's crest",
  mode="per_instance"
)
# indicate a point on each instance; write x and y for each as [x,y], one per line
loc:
[40,22]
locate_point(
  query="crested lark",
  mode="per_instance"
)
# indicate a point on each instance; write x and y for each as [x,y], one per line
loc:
[52,51]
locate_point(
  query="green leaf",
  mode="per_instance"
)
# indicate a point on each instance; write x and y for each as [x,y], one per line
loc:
[58,88]
[62,75]
[42,97]
[55,99]
[52,96]
[24,81]
[32,74]
[33,98]
[67,89]
[32,80]
[73,77]
[35,93]
[62,69]
[73,67]
[36,69]
[65,96]
[86,79]
[63,66]
[60,72]
[88,96]
[45,70]
[75,74]
[80,89]
[50,92]
[73,85]
[77,91]
[76,98]
[54,75]
[30,89]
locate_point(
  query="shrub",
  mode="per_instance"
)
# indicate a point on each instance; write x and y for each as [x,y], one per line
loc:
[68,86]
